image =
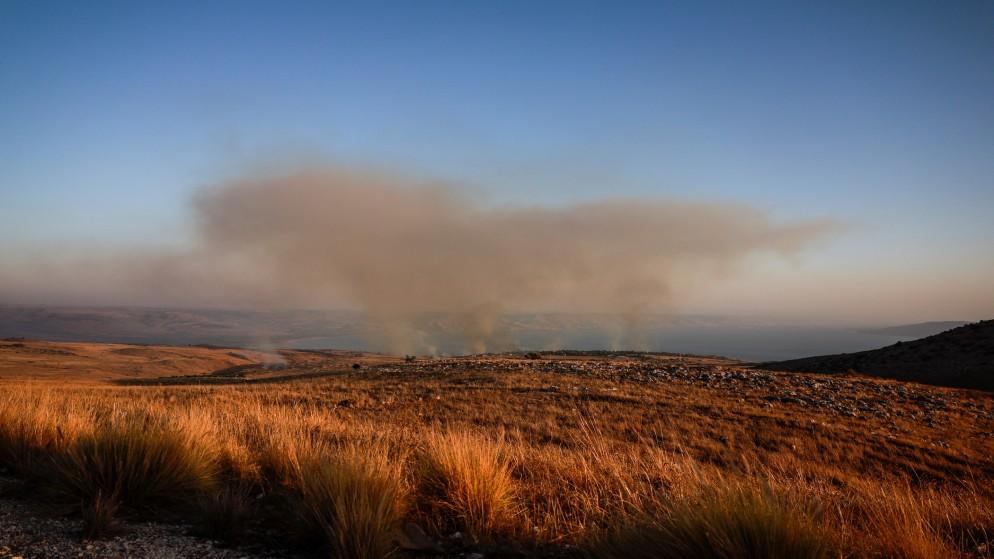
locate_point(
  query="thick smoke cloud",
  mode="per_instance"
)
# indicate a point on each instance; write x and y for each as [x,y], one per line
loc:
[400,251]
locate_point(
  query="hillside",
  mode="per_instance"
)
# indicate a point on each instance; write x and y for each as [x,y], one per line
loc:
[564,450]
[917,330]
[138,325]
[962,357]
[34,359]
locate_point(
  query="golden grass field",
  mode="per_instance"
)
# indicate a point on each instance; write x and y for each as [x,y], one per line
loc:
[608,455]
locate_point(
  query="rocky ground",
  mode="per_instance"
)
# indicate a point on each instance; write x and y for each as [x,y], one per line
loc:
[28,532]
[849,396]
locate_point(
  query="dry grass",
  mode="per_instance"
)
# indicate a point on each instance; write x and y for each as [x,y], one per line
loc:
[100,516]
[353,498]
[465,484]
[611,468]
[137,461]
[34,427]
[919,522]
[725,521]
[224,513]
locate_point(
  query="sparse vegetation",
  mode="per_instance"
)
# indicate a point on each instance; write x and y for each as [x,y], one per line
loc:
[511,460]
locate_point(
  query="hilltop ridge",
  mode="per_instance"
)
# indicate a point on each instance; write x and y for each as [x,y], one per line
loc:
[962,357]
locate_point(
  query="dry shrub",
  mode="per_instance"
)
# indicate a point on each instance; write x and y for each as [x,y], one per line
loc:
[725,522]
[465,483]
[353,497]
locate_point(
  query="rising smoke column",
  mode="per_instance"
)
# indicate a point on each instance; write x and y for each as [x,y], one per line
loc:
[417,258]
[399,250]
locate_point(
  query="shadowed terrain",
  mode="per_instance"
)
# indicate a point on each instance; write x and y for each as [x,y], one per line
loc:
[962,357]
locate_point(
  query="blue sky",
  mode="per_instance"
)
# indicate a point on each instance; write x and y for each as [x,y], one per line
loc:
[878,114]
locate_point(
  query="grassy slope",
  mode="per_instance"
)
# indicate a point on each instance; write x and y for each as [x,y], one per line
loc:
[961,357]
[623,456]
[93,361]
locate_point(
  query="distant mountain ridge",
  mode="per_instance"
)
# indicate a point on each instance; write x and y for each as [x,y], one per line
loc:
[171,326]
[962,357]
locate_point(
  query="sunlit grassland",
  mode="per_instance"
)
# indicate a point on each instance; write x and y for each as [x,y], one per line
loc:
[345,463]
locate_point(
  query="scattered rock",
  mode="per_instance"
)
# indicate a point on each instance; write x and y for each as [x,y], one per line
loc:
[29,532]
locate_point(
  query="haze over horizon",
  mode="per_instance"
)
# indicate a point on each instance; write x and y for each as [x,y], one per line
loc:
[830,163]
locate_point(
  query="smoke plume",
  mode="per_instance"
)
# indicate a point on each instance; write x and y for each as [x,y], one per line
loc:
[401,251]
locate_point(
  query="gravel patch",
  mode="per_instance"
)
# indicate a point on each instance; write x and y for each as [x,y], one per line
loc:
[27,532]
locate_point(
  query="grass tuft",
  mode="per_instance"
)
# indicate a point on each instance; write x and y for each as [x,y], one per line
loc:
[465,483]
[725,523]
[137,463]
[100,517]
[353,499]
[33,428]
[223,513]
[918,524]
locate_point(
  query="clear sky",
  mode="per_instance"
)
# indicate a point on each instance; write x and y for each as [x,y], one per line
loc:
[876,114]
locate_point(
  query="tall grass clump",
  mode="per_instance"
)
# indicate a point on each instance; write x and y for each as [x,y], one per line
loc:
[99,516]
[224,513]
[136,462]
[353,498]
[896,520]
[33,427]
[733,522]
[465,483]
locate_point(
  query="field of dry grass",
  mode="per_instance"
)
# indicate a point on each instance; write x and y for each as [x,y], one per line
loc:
[101,362]
[567,455]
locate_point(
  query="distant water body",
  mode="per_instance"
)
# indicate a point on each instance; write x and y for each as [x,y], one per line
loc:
[750,339]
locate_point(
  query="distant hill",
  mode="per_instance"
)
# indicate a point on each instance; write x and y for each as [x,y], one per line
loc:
[175,326]
[962,357]
[919,330]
